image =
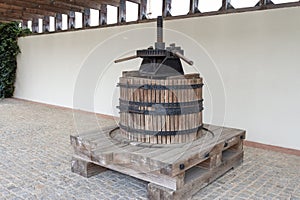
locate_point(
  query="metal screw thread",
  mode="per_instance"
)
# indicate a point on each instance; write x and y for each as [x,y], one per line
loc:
[159,29]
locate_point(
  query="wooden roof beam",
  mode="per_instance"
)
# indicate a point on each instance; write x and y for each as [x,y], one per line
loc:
[109,2]
[48,4]
[135,1]
[17,13]
[28,10]
[44,7]
[80,3]
[9,19]
[16,16]
[20,14]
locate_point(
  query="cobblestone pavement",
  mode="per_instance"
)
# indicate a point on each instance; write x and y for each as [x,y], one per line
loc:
[35,156]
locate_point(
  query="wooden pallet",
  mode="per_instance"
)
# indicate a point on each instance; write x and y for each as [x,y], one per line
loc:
[174,171]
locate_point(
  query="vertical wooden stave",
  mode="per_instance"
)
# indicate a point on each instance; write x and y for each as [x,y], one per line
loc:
[131,125]
[167,117]
[141,82]
[180,117]
[158,117]
[149,93]
[137,99]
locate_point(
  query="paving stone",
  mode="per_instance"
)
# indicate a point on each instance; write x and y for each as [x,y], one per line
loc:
[35,155]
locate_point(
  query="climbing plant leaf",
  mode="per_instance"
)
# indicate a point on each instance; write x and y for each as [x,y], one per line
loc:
[9,49]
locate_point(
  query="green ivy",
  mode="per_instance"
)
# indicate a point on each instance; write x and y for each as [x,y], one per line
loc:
[9,49]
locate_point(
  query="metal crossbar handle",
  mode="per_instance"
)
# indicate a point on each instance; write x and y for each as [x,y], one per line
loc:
[126,58]
[185,59]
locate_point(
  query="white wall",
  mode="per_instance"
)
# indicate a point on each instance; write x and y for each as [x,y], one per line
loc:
[250,62]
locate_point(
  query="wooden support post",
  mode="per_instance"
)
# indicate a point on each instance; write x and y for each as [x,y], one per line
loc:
[159,193]
[194,6]
[264,2]
[86,17]
[58,22]
[71,20]
[46,24]
[103,15]
[122,12]
[167,8]
[24,24]
[143,10]
[35,25]
[226,5]
[85,168]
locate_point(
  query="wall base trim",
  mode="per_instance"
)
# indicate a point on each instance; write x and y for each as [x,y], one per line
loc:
[272,148]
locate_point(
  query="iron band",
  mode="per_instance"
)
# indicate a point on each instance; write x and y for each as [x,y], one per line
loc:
[160,87]
[160,133]
[160,111]
[165,105]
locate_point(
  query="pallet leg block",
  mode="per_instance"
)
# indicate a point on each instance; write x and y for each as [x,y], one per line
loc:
[85,168]
[197,178]
[156,192]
